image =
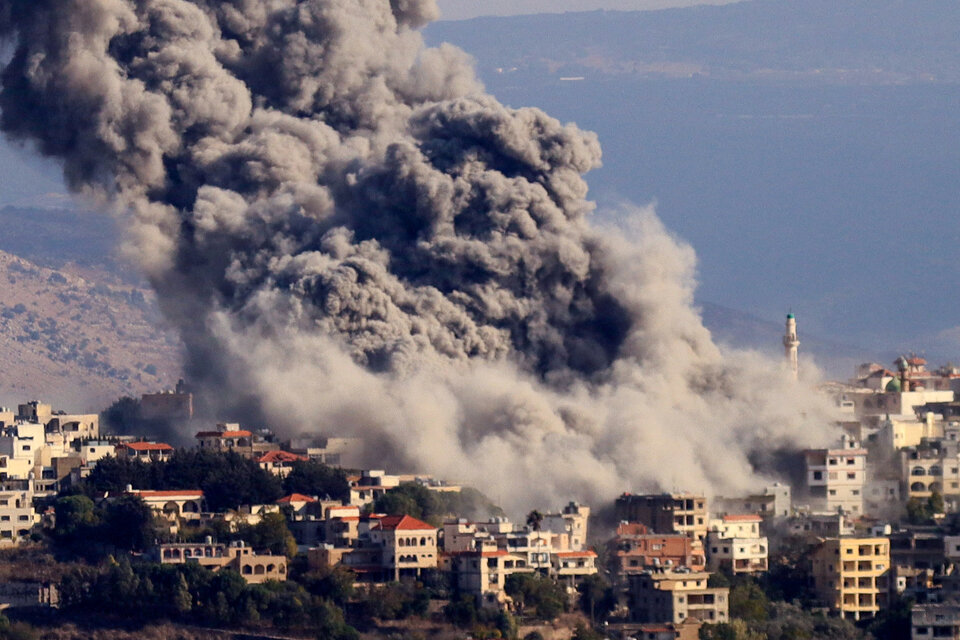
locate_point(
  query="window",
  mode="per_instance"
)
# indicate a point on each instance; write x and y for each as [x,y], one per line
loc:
[850,461]
[833,492]
[833,461]
[818,475]
[852,476]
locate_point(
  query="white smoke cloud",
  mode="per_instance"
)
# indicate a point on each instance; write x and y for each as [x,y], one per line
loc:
[354,238]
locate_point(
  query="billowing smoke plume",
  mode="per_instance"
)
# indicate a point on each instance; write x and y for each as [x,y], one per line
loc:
[355,239]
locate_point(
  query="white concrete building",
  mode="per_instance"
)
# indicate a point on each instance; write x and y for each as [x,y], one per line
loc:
[17,516]
[836,477]
[734,542]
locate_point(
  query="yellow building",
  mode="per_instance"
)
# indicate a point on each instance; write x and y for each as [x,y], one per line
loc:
[851,575]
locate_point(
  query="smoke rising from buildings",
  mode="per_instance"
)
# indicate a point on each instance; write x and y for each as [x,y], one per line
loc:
[352,237]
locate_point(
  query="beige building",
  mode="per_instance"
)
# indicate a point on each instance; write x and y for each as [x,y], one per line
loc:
[934,466]
[572,520]
[183,504]
[677,597]
[851,575]
[836,477]
[17,517]
[145,451]
[483,574]
[255,568]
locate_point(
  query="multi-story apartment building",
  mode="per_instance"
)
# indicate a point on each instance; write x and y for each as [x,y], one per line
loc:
[935,622]
[773,502]
[933,467]
[666,513]
[734,542]
[676,597]
[836,477]
[572,520]
[638,550]
[483,573]
[851,575]
[17,516]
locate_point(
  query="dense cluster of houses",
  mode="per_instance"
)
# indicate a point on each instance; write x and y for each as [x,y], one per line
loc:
[898,444]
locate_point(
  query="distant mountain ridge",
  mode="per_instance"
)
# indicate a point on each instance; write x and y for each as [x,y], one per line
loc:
[813,40]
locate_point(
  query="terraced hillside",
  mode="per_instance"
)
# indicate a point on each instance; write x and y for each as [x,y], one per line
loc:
[78,341]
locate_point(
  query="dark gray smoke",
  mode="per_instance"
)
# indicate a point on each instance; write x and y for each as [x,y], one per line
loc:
[348,231]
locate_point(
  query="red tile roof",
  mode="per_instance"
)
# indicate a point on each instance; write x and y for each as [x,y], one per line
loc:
[404,523]
[147,446]
[282,456]
[225,434]
[577,554]
[295,497]
[752,517]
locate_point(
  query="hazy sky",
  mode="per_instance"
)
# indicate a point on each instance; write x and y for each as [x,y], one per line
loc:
[462,9]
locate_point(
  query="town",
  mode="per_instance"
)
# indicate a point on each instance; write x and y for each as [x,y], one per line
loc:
[245,531]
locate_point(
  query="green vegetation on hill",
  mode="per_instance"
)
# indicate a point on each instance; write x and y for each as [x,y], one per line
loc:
[416,500]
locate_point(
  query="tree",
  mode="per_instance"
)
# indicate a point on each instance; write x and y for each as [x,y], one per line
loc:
[748,602]
[271,534]
[597,597]
[733,630]
[540,592]
[316,479]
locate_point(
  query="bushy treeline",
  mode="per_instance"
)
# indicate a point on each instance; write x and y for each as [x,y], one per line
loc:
[190,593]
[88,530]
[416,500]
[227,479]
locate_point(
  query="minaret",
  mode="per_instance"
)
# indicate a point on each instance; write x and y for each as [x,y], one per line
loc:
[791,345]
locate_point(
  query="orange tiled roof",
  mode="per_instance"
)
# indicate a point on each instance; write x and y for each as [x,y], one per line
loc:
[295,497]
[282,456]
[147,446]
[577,554]
[752,517]
[404,523]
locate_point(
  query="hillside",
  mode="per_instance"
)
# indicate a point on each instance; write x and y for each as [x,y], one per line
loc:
[78,342]
[818,40]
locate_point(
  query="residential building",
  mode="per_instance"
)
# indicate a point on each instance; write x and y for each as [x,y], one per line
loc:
[570,567]
[638,550]
[918,549]
[774,502]
[145,451]
[174,504]
[335,452]
[676,597]
[572,520]
[933,467]
[935,622]
[255,568]
[836,477]
[851,575]
[483,573]
[734,543]
[17,517]
[167,405]
[279,463]
[666,513]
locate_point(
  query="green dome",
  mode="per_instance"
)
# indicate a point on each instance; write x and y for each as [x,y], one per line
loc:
[790,316]
[894,385]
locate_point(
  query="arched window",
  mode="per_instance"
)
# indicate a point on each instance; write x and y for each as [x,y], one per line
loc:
[423,542]
[271,568]
[918,486]
[247,569]
[259,570]
[918,471]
